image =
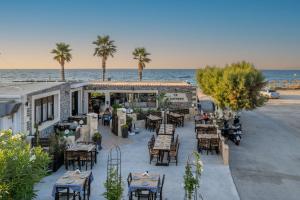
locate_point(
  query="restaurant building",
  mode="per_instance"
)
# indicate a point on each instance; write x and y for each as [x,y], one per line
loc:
[23,105]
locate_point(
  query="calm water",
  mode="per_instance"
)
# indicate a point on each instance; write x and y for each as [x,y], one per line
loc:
[125,74]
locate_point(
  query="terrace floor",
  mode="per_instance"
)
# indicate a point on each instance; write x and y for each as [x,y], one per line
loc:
[216,180]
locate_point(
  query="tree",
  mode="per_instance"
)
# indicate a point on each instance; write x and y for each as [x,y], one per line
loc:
[20,167]
[141,55]
[104,48]
[236,86]
[62,55]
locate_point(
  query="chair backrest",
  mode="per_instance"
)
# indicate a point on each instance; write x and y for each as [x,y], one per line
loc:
[129,179]
[177,139]
[162,183]
[214,141]
[177,148]
[204,141]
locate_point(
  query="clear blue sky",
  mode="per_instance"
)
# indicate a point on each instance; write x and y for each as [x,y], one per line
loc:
[183,33]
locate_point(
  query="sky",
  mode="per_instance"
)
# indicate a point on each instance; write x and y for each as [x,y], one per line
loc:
[177,33]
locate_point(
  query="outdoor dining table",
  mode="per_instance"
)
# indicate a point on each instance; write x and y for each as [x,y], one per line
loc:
[178,117]
[144,181]
[204,127]
[170,129]
[74,180]
[162,144]
[90,148]
[154,119]
[208,136]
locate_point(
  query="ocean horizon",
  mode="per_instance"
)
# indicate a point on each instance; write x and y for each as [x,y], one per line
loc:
[8,75]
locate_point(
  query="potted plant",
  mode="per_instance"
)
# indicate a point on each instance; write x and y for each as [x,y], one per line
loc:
[129,123]
[124,129]
[56,151]
[97,138]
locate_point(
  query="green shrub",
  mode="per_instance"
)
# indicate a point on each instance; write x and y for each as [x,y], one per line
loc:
[20,167]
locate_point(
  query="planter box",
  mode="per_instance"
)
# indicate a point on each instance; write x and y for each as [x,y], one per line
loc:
[56,162]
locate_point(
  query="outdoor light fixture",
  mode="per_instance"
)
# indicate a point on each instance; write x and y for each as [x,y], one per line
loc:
[81,122]
[67,132]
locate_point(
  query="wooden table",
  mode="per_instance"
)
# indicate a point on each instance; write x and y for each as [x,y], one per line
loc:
[77,182]
[208,136]
[89,148]
[178,117]
[170,129]
[141,181]
[152,118]
[162,144]
[205,127]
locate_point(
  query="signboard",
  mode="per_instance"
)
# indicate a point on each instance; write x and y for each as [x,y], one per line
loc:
[177,97]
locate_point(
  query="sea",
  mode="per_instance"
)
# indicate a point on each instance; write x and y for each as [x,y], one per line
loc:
[188,75]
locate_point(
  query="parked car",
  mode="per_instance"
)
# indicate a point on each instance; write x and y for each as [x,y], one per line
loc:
[270,94]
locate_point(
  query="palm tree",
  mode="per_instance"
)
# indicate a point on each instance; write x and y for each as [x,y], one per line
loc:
[141,55]
[104,48]
[62,55]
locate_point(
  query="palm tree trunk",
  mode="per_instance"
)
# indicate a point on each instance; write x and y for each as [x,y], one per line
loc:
[62,72]
[103,68]
[140,71]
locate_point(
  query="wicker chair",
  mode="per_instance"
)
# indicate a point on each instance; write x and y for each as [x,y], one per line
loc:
[70,158]
[214,144]
[174,143]
[152,153]
[173,155]
[85,157]
[203,144]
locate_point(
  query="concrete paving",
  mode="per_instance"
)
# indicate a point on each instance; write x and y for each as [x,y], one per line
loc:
[216,180]
[267,162]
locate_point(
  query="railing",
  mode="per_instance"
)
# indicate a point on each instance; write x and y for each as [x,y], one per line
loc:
[284,84]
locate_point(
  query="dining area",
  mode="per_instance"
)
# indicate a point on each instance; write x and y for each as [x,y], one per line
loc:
[145,185]
[73,185]
[163,149]
[81,155]
[152,122]
[208,138]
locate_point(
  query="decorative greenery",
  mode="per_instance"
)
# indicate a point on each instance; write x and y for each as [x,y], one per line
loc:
[192,178]
[97,94]
[236,86]
[163,101]
[57,144]
[113,185]
[141,55]
[104,48]
[124,126]
[115,107]
[97,137]
[20,167]
[62,55]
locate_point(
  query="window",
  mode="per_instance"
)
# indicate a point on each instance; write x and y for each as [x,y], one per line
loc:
[44,109]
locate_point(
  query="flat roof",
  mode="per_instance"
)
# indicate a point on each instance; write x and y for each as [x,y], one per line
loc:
[141,83]
[22,88]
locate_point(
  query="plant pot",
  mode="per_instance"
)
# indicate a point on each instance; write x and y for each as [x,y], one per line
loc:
[125,132]
[99,145]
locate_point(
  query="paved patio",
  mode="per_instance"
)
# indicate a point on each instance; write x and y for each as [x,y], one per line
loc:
[216,180]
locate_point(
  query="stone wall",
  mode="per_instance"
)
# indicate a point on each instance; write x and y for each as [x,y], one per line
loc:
[64,89]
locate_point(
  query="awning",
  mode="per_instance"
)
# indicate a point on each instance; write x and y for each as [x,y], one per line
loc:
[8,108]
